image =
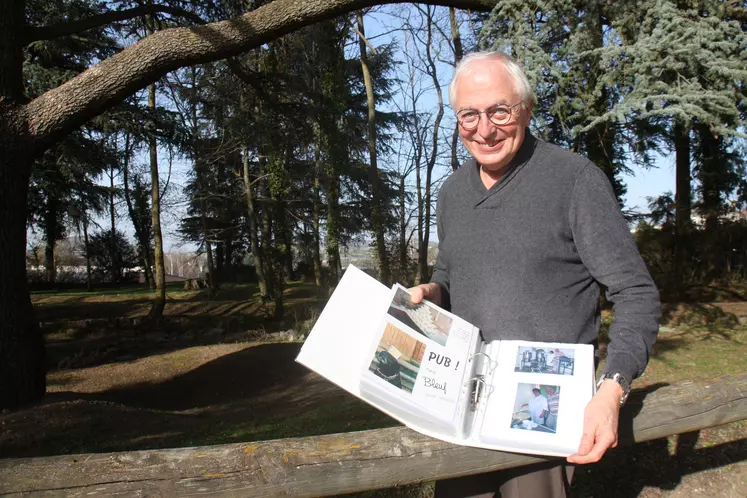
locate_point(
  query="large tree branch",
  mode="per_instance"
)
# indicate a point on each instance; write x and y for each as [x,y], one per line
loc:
[34,33]
[68,106]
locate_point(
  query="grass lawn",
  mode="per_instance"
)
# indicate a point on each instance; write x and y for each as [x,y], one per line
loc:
[202,381]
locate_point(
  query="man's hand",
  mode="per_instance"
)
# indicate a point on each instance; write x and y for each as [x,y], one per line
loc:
[431,292]
[600,424]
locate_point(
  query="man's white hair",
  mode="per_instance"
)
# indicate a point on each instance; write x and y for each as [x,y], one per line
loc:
[521,82]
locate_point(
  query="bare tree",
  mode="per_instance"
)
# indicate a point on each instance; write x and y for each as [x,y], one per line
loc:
[373,169]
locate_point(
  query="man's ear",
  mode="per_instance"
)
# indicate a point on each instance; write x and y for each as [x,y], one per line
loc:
[528,112]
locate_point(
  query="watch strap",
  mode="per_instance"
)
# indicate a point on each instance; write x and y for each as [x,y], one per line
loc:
[621,381]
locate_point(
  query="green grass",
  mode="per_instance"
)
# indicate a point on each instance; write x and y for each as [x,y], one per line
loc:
[108,290]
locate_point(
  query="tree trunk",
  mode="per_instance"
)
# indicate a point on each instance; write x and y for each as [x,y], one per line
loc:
[288,248]
[113,239]
[51,234]
[458,54]
[403,264]
[211,277]
[432,72]
[272,270]
[156,311]
[600,140]
[89,281]
[253,236]
[711,177]
[22,358]
[208,250]
[333,227]
[420,145]
[140,232]
[317,209]
[682,197]
[377,207]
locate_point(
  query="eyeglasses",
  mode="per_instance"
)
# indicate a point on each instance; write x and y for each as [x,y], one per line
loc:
[498,114]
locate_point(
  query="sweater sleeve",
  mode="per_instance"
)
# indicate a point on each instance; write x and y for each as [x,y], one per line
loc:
[607,249]
[440,271]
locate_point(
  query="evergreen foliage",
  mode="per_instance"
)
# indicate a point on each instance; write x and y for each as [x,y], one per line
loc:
[108,267]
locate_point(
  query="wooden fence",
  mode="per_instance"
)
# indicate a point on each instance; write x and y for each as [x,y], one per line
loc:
[343,463]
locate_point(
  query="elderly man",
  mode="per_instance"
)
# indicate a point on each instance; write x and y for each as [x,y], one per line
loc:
[528,234]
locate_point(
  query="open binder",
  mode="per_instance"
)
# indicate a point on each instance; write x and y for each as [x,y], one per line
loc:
[432,371]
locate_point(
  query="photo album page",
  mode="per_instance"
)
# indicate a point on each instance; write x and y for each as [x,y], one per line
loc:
[537,396]
[418,364]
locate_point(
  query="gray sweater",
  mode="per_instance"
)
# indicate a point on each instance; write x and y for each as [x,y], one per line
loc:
[526,258]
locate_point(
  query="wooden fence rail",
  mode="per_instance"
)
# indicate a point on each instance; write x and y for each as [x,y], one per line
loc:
[343,463]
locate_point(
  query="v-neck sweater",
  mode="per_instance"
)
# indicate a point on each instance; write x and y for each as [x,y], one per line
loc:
[526,258]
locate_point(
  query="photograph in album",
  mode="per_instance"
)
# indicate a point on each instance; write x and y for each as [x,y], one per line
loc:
[546,360]
[397,358]
[536,408]
[423,318]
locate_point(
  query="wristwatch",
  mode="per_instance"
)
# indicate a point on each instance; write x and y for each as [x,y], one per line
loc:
[622,381]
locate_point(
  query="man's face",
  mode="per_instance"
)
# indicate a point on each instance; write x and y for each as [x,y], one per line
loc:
[492,146]
[549,391]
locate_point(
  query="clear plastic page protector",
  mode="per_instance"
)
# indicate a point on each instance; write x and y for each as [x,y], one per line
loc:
[536,398]
[418,365]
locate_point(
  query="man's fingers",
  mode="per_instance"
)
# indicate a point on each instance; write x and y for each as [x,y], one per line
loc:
[593,453]
[424,291]
[417,294]
[587,443]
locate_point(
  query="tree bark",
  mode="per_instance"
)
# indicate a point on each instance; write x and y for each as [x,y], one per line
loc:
[333,226]
[12,23]
[22,360]
[113,238]
[377,207]
[206,238]
[317,210]
[711,177]
[156,311]
[458,54]
[253,234]
[141,232]
[432,72]
[51,234]
[682,197]
[201,192]
[404,274]
[272,272]
[89,280]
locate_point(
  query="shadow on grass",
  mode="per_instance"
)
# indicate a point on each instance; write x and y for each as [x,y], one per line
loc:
[230,300]
[672,342]
[708,315]
[95,346]
[625,472]
[254,394]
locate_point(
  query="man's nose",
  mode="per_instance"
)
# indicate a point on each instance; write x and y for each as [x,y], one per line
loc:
[485,127]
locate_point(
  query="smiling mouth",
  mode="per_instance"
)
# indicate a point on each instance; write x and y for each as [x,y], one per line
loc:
[495,145]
